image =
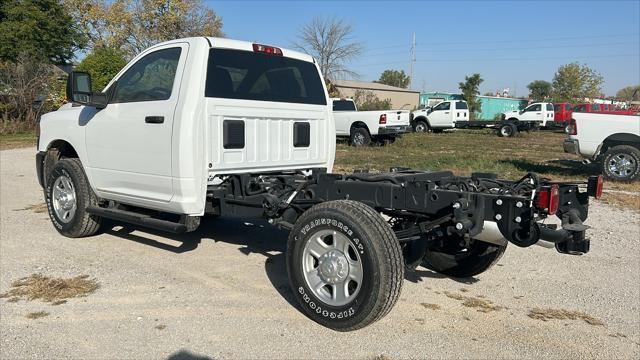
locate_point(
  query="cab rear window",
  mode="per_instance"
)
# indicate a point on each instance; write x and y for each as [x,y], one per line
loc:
[344,105]
[246,75]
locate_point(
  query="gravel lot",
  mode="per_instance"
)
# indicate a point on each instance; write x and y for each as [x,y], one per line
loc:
[222,292]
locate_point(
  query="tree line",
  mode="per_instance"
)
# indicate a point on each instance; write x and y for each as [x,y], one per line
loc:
[39,37]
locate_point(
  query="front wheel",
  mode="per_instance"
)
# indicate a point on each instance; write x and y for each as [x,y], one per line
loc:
[458,261]
[345,265]
[420,126]
[68,195]
[622,163]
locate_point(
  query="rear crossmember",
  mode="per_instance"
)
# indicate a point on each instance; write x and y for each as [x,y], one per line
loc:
[421,206]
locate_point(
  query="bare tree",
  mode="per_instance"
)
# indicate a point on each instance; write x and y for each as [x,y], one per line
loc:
[21,84]
[330,42]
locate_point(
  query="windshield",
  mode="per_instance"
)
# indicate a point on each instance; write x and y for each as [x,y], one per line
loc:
[237,74]
[344,105]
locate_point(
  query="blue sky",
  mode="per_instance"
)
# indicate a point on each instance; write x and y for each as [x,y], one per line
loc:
[510,43]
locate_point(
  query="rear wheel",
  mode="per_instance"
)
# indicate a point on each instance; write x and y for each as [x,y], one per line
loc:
[622,163]
[68,195]
[420,126]
[345,265]
[507,130]
[360,137]
[457,261]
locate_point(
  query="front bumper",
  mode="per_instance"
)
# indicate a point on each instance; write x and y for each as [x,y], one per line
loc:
[394,130]
[571,146]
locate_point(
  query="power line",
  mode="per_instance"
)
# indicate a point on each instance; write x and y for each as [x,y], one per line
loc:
[465,50]
[511,40]
[506,59]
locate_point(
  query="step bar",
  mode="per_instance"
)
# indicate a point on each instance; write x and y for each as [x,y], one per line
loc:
[138,219]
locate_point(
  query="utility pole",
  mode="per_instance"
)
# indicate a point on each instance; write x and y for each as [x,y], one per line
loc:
[412,59]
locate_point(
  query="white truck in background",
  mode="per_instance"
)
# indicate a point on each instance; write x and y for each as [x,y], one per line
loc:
[444,115]
[363,127]
[610,139]
[539,113]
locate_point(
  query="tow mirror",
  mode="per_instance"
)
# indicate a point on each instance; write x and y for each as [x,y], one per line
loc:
[79,91]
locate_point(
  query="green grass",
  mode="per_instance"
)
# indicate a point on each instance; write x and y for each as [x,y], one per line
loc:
[18,140]
[466,151]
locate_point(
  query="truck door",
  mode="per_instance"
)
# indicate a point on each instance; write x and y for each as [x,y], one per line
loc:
[532,112]
[548,114]
[441,115]
[129,142]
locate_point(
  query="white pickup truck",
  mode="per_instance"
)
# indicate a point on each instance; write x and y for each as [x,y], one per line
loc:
[444,115]
[202,127]
[612,140]
[539,113]
[362,127]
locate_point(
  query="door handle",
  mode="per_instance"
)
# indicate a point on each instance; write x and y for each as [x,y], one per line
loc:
[446,112]
[154,119]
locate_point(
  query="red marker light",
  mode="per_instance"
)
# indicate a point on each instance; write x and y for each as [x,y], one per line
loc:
[383,119]
[599,184]
[267,49]
[549,199]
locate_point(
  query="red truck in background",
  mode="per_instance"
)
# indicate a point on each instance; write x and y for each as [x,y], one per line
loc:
[562,115]
[602,108]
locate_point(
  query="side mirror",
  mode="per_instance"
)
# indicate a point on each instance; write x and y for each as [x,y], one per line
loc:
[79,91]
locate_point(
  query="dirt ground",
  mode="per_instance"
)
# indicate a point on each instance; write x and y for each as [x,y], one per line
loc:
[222,292]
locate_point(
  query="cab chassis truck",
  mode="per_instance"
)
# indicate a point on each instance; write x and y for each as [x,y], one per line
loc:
[197,128]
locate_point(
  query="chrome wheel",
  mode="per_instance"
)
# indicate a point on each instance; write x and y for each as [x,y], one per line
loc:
[332,267]
[421,127]
[358,139]
[506,131]
[64,199]
[622,165]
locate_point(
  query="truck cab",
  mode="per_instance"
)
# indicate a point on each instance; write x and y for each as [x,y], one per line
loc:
[182,112]
[539,113]
[443,115]
[562,115]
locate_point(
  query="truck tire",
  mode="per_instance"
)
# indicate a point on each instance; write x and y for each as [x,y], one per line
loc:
[420,126]
[68,195]
[360,137]
[344,264]
[458,262]
[507,130]
[622,163]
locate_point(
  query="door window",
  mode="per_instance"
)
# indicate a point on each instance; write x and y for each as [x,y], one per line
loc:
[442,106]
[150,78]
[535,107]
[549,107]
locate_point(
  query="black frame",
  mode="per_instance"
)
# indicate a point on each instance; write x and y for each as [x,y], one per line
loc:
[411,195]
